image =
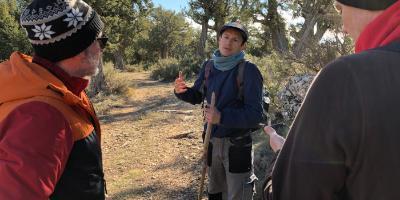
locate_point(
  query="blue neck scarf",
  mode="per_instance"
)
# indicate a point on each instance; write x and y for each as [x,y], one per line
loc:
[226,63]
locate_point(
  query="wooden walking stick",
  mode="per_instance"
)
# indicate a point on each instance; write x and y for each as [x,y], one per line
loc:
[205,150]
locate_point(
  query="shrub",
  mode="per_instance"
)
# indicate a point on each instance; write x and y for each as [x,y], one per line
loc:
[276,70]
[168,69]
[135,68]
[165,69]
[116,84]
[191,66]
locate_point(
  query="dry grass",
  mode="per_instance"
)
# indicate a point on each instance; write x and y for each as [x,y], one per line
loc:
[117,83]
[104,103]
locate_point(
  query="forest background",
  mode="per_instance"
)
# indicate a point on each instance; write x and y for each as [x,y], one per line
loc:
[147,37]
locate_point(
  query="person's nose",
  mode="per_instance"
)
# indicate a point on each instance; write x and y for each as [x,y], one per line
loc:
[230,42]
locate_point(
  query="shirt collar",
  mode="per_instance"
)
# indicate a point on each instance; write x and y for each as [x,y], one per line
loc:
[75,84]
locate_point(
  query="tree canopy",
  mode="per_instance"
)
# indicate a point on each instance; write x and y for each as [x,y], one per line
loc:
[141,33]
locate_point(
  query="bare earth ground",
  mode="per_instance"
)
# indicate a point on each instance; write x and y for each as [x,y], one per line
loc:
[152,144]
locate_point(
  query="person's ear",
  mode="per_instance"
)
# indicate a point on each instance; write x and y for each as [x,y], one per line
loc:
[243,46]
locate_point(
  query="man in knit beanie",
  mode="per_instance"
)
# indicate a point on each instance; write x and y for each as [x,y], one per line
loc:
[343,143]
[49,132]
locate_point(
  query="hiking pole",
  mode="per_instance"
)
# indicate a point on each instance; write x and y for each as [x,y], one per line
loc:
[205,150]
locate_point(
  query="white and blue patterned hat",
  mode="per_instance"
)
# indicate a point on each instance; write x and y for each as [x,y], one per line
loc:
[60,29]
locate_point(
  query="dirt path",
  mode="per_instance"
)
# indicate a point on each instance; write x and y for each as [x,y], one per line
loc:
[152,144]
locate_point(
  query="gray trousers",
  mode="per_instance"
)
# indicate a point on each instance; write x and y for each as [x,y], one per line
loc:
[231,170]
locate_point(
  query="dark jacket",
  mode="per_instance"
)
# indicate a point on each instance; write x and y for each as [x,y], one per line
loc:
[344,142]
[237,117]
[49,136]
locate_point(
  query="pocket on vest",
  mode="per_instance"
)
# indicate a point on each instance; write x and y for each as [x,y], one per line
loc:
[239,159]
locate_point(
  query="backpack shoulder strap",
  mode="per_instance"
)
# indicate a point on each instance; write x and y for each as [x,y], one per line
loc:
[239,79]
[207,71]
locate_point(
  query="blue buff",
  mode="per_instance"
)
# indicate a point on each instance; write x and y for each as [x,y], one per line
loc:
[226,63]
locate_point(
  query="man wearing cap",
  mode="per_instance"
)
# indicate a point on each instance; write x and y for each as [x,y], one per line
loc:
[49,132]
[343,143]
[230,157]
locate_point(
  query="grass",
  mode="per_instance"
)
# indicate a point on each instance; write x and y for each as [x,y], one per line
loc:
[104,103]
[116,82]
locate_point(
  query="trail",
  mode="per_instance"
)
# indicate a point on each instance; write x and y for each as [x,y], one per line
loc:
[152,144]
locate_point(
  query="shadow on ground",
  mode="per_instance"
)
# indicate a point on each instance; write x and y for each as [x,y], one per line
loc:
[149,192]
[146,106]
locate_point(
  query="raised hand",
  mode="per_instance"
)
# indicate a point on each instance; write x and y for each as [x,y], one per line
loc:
[180,84]
[275,141]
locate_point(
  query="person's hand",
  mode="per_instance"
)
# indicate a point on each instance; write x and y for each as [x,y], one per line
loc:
[212,115]
[180,85]
[275,141]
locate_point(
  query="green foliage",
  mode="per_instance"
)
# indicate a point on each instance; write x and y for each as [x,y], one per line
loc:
[135,67]
[212,44]
[275,69]
[165,69]
[256,46]
[124,21]
[318,56]
[191,66]
[200,10]
[169,35]
[12,36]
[140,35]
[168,69]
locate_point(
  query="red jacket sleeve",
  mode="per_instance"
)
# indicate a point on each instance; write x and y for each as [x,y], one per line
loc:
[35,142]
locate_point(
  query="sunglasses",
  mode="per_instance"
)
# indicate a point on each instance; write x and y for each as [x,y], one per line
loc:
[102,41]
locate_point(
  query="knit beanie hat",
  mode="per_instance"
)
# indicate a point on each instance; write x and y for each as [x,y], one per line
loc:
[368,4]
[60,29]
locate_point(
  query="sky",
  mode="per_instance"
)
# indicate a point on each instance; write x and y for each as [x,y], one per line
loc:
[176,5]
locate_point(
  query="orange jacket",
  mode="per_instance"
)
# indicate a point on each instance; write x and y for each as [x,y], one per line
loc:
[22,81]
[40,119]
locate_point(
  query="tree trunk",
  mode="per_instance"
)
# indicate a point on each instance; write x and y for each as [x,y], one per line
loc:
[305,35]
[203,37]
[98,82]
[163,52]
[314,14]
[119,60]
[277,27]
[220,14]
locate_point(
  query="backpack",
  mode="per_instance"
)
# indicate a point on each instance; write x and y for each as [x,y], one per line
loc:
[239,81]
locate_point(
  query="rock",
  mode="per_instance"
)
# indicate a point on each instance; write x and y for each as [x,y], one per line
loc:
[293,94]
